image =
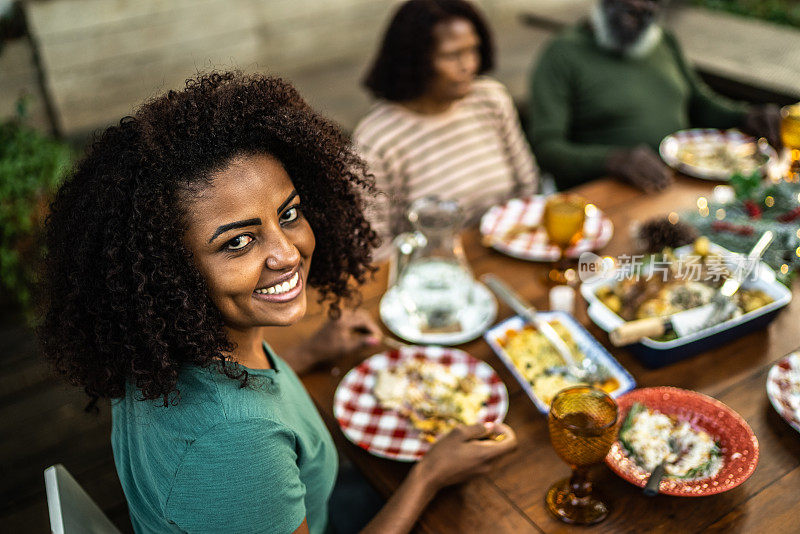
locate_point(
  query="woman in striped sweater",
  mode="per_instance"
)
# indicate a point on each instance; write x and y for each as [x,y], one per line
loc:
[439,127]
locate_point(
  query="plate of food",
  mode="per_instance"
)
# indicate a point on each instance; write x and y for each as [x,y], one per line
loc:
[783,388]
[658,286]
[515,228]
[707,447]
[395,404]
[533,360]
[715,154]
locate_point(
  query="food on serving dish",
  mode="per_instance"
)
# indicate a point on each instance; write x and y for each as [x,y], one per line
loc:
[431,395]
[788,379]
[650,437]
[676,284]
[535,358]
[721,156]
[783,388]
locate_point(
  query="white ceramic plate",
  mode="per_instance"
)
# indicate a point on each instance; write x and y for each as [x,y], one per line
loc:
[783,388]
[708,141]
[474,319]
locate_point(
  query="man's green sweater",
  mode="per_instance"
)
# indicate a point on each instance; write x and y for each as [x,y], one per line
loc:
[587,101]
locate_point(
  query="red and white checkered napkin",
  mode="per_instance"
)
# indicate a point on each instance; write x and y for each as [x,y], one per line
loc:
[499,220]
[388,434]
[783,388]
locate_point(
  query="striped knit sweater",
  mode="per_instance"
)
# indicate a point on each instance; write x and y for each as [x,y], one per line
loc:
[475,153]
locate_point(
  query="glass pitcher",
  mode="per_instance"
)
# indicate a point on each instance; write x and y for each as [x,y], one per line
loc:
[429,269]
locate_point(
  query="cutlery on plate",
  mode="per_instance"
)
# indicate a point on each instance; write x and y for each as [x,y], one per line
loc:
[651,488]
[690,321]
[587,370]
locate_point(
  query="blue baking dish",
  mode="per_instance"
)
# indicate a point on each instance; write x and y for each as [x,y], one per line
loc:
[660,353]
[587,344]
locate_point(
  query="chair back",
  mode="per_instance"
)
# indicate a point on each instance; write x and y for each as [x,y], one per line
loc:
[72,511]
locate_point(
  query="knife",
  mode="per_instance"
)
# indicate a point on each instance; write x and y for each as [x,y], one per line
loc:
[528,312]
[696,319]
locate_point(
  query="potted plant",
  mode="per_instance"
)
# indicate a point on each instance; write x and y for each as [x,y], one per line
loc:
[31,168]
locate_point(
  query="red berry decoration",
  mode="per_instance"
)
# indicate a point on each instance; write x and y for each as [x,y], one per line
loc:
[753,210]
[740,229]
[789,216]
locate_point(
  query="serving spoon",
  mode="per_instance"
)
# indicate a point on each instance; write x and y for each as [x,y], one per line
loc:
[588,370]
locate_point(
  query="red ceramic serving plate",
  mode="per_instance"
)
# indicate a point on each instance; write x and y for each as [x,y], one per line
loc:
[736,440]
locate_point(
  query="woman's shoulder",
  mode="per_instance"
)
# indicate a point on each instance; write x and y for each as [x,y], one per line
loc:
[487,84]
[211,389]
[204,398]
[378,127]
[487,91]
[487,88]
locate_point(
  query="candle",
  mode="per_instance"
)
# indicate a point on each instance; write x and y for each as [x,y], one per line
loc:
[562,298]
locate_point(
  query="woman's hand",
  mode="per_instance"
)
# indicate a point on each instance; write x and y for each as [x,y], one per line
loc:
[465,452]
[352,331]
[461,454]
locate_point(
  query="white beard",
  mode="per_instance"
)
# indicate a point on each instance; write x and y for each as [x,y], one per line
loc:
[642,46]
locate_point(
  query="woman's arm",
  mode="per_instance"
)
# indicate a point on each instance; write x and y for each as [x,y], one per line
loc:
[405,506]
[303,528]
[463,453]
[239,475]
[353,330]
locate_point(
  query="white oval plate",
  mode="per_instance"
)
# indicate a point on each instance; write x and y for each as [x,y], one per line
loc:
[475,319]
[708,139]
[783,388]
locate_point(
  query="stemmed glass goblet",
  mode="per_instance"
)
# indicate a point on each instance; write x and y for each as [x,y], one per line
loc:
[583,426]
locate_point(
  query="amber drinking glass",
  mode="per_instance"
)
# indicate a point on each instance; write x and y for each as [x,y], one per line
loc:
[790,135]
[563,220]
[583,425]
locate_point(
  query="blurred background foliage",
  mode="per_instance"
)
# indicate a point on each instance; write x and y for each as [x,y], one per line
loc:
[779,11]
[32,166]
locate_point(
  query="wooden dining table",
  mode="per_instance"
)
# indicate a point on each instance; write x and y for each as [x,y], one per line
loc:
[511,497]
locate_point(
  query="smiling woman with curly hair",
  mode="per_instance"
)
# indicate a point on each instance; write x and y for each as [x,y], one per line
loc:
[185,231]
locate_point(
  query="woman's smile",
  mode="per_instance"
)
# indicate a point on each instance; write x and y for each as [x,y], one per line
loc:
[284,290]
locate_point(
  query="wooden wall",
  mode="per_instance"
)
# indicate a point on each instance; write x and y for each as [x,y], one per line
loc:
[102,57]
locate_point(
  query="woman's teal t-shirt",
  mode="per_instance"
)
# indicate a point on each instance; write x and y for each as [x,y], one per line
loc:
[225,458]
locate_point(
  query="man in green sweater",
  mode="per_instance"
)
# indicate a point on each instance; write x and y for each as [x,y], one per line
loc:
[607,91]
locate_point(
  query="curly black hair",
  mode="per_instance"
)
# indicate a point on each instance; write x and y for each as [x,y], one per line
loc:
[122,300]
[403,68]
